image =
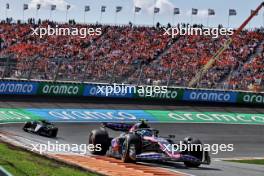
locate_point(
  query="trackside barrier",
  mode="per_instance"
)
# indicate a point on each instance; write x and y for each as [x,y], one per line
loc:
[210,96]
[61,89]
[250,98]
[110,115]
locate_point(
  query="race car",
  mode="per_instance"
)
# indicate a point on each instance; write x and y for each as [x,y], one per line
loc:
[138,142]
[41,127]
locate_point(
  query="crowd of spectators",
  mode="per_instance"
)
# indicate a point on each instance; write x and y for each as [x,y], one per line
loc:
[190,53]
[94,55]
[131,54]
[251,74]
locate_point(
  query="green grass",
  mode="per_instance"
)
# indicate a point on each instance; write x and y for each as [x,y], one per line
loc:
[23,163]
[256,161]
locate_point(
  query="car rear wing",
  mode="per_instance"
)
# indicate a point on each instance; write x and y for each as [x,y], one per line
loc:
[124,127]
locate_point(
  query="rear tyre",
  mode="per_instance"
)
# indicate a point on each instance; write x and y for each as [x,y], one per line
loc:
[26,126]
[198,154]
[52,133]
[99,137]
[130,148]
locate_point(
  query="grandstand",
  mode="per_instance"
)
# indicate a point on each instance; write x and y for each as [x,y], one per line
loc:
[130,54]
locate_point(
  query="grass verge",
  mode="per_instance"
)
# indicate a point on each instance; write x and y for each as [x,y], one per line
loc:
[23,163]
[256,161]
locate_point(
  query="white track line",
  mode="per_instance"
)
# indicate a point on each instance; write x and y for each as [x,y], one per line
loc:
[176,171]
[238,158]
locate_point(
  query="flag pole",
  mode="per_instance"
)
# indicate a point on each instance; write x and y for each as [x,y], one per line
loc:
[66,15]
[84,15]
[6,13]
[172,17]
[101,17]
[50,15]
[154,13]
[36,14]
[173,20]
[23,15]
[263,19]
[115,17]
[207,23]
[134,18]
[228,21]
[153,19]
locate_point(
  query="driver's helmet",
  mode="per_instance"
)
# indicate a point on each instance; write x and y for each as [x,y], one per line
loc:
[140,125]
[145,132]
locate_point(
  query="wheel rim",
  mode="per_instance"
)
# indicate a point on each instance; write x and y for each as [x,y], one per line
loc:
[124,148]
[132,151]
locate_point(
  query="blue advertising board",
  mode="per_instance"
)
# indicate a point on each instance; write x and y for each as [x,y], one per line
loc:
[18,88]
[108,91]
[210,96]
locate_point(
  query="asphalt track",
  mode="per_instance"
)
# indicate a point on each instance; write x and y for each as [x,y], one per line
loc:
[139,106]
[248,140]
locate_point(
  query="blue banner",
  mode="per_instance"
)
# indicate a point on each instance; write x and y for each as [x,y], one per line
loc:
[210,96]
[18,88]
[91,115]
[108,91]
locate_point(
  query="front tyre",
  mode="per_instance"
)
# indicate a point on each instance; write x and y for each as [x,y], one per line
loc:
[130,148]
[191,164]
[198,154]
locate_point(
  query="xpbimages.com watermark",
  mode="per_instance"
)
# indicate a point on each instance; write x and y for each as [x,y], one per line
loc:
[84,149]
[66,31]
[117,89]
[57,147]
[214,148]
[205,31]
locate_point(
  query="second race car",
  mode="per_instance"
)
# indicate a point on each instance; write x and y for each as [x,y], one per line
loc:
[41,127]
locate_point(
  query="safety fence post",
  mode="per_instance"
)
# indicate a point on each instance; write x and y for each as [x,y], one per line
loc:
[6,67]
[57,71]
[32,67]
[140,75]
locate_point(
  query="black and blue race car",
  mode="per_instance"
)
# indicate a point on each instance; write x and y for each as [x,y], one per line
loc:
[41,127]
[139,142]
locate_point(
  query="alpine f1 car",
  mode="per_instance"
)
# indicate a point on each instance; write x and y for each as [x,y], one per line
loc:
[41,127]
[139,142]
